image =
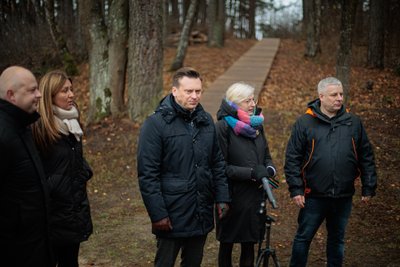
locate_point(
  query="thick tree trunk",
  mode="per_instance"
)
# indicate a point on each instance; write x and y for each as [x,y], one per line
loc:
[216,27]
[184,40]
[100,93]
[376,34]
[313,27]
[343,61]
[117,53]
[145,57]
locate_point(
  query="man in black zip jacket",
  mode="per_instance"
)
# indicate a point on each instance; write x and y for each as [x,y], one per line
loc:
[23,195]
[328,149]
[181,172]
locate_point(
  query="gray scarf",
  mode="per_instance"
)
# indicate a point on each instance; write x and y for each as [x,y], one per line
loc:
[67,121]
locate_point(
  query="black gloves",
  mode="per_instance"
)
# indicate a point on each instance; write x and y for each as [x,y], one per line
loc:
[259,172]
[268,172]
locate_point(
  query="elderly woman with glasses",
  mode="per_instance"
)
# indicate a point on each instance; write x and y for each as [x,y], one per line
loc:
[244,146]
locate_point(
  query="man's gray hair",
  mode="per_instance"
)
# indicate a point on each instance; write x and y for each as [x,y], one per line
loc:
[328,81]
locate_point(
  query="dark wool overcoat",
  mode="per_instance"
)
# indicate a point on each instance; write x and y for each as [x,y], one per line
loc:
[243,223]
[181,169]
[23,193]
[67,174]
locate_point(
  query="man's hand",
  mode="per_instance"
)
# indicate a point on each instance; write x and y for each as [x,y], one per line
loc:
[299,200]
[365,199]
[222,209]
[162,225]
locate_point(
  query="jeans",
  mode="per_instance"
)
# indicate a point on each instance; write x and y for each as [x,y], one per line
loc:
[336,212]
[168,249]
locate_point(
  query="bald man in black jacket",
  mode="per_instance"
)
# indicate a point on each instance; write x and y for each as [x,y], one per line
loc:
[23,194]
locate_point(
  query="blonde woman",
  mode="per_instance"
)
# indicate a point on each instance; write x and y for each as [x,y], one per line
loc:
[244,146]
[58,136]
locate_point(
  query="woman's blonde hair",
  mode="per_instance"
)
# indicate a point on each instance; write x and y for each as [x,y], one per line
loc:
[238,92]
[45,130]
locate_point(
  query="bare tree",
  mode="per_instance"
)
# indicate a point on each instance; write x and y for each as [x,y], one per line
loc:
[145,57]
[118,34]
[216,23]
[252,19]
[100,94]
[376,34]
[312,18]
[343,59]
[184,40]
[59,40]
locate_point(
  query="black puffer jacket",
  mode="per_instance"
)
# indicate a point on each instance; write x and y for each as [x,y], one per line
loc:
[23,192]
[68,173]
[243,223]
[181,169]
[325,155]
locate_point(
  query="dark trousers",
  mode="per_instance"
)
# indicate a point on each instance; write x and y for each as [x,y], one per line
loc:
[27,253]
[246,254]
[336,212]
[191,254]
[66,255]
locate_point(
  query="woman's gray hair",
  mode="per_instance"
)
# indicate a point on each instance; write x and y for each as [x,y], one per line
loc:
[238,92]
[328,81]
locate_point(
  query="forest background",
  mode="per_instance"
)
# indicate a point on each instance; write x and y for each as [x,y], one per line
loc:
[121,55]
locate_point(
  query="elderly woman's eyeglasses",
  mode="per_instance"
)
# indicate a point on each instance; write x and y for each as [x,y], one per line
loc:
[248,101]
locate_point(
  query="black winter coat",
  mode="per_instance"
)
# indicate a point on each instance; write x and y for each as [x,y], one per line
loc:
[23,193]
[325,155]
[67,173]
[181,170]
[243,223]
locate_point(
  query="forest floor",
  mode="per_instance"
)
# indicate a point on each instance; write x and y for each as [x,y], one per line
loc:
[122,234]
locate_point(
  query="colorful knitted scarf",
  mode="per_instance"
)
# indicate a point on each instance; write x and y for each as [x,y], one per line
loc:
[245,125]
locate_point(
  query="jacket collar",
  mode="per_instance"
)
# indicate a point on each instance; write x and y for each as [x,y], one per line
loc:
[19,117]
[170,110]
[314,110]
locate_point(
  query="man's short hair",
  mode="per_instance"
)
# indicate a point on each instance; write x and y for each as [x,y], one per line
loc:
[185,72]
[328,81]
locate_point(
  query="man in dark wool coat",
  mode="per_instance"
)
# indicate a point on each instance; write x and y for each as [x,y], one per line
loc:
[181,172]
[23,197]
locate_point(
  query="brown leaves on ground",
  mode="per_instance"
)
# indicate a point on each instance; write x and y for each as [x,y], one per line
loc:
[122,234]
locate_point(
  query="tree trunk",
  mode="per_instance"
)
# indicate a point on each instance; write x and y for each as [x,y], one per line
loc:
[252,20]
[313,27]
[359,35]
[174,17]
[392,36]
[343,61]
[117,53]
[100,94]
[184,40]
[202,14]
[145,57]
[376,35]
[216,27]
[59,40]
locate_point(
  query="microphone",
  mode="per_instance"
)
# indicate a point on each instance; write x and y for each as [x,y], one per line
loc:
[268,190]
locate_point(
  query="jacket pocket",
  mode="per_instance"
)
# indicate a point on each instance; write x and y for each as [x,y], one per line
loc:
[174,185]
